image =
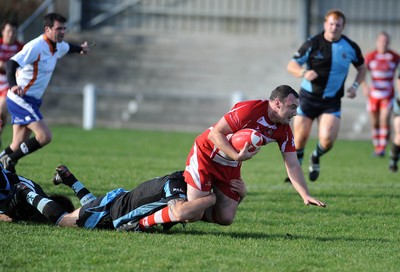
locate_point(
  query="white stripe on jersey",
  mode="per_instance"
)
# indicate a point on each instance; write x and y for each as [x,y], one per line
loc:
[193,167]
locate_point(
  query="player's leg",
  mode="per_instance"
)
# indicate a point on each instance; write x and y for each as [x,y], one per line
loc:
[302,128]
[64,176]
[328,129]
[373,112]
[198,174]
[69,220]
[178,210]
[384,126]
[194,193]
[301,131]
[395,149]
[42,132]
[374,117]
[20,134]
[224,210]
[23,145]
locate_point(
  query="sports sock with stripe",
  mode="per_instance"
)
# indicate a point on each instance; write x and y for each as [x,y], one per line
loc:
[159,217]
[300,155]
[49,208]
[25,148]
[319,151]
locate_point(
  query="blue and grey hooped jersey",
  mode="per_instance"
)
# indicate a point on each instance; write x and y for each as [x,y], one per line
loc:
[331,61]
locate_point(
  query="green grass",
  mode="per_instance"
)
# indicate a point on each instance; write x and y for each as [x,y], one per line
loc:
[273,230]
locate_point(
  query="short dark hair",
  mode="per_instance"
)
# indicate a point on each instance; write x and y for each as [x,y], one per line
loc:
[64,201]
[283,91]
[9,22]
[50,18]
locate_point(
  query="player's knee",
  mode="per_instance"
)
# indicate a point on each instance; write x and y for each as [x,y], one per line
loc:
[44,139]
[224,221]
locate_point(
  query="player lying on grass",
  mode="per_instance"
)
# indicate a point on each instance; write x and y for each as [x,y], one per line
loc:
[11,211]
[161,200]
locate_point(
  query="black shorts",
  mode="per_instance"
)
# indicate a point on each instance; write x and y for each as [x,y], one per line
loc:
[84,214]
[312,106]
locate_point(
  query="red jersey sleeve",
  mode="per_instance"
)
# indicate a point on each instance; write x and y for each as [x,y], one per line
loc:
[242,114]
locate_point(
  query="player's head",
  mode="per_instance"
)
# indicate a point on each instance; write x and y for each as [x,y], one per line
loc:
[9,31]
[284,101]
[283,91]
[337,14]
[54,26]
[335,21]
[64,201]
[382,42]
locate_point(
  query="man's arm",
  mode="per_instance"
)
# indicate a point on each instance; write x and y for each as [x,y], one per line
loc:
[297,70]
[11,69]
[296,176]
[5,218]
[82,49]
[361,72]
[218,137]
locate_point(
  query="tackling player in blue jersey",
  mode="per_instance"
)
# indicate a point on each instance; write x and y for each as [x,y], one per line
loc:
[161,200]
[326,58]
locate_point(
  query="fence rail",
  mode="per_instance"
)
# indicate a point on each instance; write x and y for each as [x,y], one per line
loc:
[251,17]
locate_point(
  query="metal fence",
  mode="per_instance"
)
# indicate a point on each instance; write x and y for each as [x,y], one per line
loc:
[278,19]
[271,18]
[255,17]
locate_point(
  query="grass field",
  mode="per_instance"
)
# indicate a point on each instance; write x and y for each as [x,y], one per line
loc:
[273,230]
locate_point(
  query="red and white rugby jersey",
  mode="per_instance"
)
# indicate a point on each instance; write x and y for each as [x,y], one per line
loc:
[254,114]
[383,68]
[37,61]
[6,52]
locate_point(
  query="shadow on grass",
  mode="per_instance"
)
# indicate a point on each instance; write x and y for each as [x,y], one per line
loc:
[287,236]
[245,235]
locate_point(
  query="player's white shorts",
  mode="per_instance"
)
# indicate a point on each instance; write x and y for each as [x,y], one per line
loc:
[23,110]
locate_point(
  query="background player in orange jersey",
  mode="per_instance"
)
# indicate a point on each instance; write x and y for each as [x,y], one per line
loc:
[35,64]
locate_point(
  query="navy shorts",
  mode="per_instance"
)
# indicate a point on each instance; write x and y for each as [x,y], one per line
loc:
[313,106]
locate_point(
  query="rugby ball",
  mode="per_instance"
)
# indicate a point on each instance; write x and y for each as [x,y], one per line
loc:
[253,137]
